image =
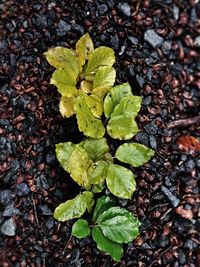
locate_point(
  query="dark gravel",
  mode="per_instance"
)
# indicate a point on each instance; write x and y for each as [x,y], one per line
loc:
[156,45]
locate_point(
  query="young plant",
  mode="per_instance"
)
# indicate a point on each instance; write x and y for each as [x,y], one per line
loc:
[85,78]
[111,227]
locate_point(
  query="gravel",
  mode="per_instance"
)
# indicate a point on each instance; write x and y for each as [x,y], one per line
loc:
[152,38]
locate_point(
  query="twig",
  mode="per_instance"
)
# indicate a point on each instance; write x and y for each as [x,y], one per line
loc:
[67,243]
[163,216]
[183,122]
[35,212]
[159,255]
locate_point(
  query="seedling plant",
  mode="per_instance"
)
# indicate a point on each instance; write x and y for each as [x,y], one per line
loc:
[85,78]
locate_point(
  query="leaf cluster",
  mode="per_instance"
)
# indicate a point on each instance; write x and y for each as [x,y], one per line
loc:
[111,227]
[85,79]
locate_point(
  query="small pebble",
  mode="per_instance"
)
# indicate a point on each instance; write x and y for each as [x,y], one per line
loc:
[152,38]
[63,28]
[197,41]
[174,201]
[9,227]
[10,210]
[125,9]
[5,196]
[102,9]
[22,189]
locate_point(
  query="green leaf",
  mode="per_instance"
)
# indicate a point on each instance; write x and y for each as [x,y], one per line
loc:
[115,96]
[122,127]
[102,56]
[65,82]
[63,58]
[119,225]
[103,81]
[87,123]
[97,188]
[115,250]
[71,209]
[106,157]
[84,47]
[120,181]
[63,153]
[97,172]
[95,147]
[78,165]
[129,105]
[134,154]
[66,106]
[89,199]
[103,204]
[80,228]
[95,104]
[121,124]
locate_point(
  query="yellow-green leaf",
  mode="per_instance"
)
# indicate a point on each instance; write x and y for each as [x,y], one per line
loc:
[134,154]
[66,106]
[129,105]
[122,127]
[95,104]
[89,198]
[87,123]
[63,58]
[65,82]
[115,96]
[71,209]
[84,47]
[101,91]
[120,181]
[86,86]
[97,172]
[102,56]
[106,157]
[78,164]
[104,80]
[96,148]
[97,188]
[63,153]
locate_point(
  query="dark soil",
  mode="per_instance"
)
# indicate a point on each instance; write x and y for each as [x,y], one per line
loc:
[157,46]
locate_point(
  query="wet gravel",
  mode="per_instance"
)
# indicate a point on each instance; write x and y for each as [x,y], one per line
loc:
[156,45]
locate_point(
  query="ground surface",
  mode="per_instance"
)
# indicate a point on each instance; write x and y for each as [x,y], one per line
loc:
[162,65]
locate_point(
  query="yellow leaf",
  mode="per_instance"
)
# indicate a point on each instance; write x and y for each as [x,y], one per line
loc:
[66,106]
[104,80]
[78,165]
[102,56]
[87,123]
[95,104]
[84,47]
[62,58]
[65,81]
[86,86]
